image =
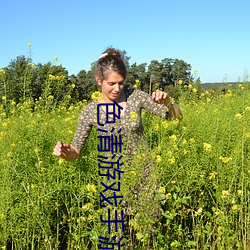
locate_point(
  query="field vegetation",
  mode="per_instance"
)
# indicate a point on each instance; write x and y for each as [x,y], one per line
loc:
[202,165]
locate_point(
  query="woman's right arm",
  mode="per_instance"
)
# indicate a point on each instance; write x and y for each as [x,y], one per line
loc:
[70,152]
[66,151]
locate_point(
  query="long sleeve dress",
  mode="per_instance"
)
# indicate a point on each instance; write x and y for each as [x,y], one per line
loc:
[140,195]
[130,122]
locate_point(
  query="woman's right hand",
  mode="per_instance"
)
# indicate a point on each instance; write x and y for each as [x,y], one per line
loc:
[61,149]
[66,151]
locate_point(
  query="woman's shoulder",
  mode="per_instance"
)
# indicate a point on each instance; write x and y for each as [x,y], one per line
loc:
[135,93]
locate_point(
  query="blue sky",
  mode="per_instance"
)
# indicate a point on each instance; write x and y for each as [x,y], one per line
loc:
[212,36]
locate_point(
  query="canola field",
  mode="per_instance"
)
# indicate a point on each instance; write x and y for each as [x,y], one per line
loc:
[202,166]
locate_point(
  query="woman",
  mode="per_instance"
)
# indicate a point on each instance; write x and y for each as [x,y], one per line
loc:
[110,74]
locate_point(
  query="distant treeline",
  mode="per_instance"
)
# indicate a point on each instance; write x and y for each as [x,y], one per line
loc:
[23,79]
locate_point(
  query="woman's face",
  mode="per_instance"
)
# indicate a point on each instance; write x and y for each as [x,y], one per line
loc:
[112,86]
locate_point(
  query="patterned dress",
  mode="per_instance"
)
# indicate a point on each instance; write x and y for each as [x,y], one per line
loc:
[141,190]
[130,122]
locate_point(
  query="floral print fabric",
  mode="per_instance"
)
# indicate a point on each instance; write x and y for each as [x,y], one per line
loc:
[130,121]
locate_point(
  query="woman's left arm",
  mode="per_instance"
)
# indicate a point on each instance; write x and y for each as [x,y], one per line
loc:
[163,98]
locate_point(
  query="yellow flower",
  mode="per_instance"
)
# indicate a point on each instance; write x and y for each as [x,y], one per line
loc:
[3,97]
[218,212]
[198,212]
[135,86]
[87,207]
[247,135]
[2,72]
[225,159]
[29,44]
[168,196]
[247,108]
[225,193]
[133,116]
[194,90]
[239,192]
[180,82]
[164,124]
[175,122]
[37,149]
[96,96]
[195,71]
[173,137]
[91,188]
[33,186]
[158,159]
[73,85]
[56,58]
[2,217]
[156,127]
[137,81]
[212,175]
[171,160]
[238,116]
[4,124]
[191,140]
[50,97]
[162,190]
[133,173]
[235,207]
[51,77]
[190,86]
[207,147]
[61,161]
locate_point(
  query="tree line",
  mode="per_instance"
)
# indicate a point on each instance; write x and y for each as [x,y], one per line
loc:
[22,79]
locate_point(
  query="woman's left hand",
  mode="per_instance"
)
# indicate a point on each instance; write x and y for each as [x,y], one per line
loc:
[161,97]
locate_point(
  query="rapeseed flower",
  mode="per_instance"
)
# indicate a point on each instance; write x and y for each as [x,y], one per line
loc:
[225,159]
[29,44]
[133,116]
[198,212]
[207,147]
[212,175]
[162,190]
[239,192]
[56,58]
[171,160]
[96,96]
[158,159]
[2,72]
[156,127]
[173,137]
[91,188]
[168,196]
[238,116]
[164,124]
[225,193]
[180,82]
[2,217]
[87,207]
[235,207]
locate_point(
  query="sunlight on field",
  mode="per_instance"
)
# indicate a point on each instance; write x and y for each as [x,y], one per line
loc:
[202,163]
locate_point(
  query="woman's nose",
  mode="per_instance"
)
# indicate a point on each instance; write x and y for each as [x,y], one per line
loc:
[116,87]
